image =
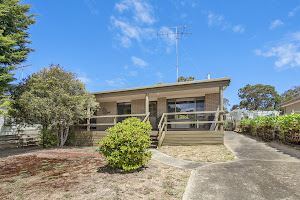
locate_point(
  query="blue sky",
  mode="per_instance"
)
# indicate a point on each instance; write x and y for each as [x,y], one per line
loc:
[114,44]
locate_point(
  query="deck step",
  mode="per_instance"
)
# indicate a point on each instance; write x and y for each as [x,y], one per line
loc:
[154,141]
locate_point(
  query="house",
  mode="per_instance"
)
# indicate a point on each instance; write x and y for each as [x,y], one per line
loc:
[291,106]
[184,113]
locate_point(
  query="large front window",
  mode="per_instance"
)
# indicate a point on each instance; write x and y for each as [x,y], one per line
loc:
[186,105]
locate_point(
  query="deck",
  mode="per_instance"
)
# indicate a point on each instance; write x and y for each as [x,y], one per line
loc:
[172,138]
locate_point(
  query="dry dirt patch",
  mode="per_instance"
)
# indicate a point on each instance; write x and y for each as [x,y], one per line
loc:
[86,179]
[201,153]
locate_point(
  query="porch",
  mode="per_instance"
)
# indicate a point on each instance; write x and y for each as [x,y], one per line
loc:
[189,113]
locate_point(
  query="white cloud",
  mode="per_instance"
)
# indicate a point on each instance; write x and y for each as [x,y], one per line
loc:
[142,11]
[214,19]
[170,38]
[135,24]
[286,52]
[132,73]
[238,28]
[293,12]
[190,3]
[139,62]
[83,77]
[117,82]
[219,21]
[295,36]
[121,6]
[159,75]
[91,4]
[274,24]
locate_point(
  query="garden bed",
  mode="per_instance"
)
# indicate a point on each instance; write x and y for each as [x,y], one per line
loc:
[86,179]
[201,153]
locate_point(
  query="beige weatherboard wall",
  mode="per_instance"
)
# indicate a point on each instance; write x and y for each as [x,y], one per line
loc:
[292,106]
[183,113]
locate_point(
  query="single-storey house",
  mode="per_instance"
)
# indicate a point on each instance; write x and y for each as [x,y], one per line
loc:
[184,113]
[291,106]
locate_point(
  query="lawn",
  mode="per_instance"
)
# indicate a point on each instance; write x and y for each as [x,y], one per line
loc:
[201,153]
[86,179]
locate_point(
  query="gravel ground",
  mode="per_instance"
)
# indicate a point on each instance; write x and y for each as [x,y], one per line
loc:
[86,179]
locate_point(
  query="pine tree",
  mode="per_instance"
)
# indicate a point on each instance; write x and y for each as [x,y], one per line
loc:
[14,23]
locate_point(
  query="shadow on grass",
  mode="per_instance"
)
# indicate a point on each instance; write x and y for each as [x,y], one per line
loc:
[18,151]
[113,170]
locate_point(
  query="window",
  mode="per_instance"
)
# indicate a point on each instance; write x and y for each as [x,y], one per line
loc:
[186,105]
[123,109]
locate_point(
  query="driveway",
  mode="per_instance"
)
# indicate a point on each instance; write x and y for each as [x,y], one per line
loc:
[259,172]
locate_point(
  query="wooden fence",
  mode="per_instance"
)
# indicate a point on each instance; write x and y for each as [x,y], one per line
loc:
[13,136]
[22,139]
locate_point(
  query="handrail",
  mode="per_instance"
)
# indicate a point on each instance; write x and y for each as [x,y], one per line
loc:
[126,115]
[162,126]
[115,121]
[196,122]
[187,113]
[146,117]
[194,112]
[214,126]
[162,117]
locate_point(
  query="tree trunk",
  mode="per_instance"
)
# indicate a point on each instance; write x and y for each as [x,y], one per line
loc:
[61,137]
[64,132]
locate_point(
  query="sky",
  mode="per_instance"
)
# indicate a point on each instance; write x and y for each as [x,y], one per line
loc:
[115,44]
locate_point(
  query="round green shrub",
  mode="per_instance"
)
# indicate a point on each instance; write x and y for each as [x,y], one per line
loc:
[126,145]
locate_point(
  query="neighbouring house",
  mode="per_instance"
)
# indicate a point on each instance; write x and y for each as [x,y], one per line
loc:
[291,106]
[185,113]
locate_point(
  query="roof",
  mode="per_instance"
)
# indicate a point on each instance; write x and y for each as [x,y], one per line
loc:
[290,102]
[207,83]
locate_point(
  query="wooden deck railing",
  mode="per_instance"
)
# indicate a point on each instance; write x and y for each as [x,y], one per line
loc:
[88,125]
[162,126]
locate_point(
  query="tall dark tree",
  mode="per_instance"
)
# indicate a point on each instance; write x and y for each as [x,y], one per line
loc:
[258,97]
[14,23]
[291,93]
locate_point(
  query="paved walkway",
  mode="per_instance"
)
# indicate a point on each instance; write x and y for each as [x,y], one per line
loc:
[260,172]
[175,162]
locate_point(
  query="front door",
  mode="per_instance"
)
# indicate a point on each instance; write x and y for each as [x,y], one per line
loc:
[153,114]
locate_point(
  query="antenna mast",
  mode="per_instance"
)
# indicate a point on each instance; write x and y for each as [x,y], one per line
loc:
[177,38]
[22,67]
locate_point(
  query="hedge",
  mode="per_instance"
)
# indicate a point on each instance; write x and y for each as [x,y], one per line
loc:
[285,128]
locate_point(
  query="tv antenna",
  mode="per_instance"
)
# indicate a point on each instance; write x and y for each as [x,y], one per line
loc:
[22,67]
[177,34]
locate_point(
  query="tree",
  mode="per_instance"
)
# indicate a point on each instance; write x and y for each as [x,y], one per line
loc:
[291,93]
[54,98]
[258,97]
[234,107]
[226,104]
[14,21]
[185,79]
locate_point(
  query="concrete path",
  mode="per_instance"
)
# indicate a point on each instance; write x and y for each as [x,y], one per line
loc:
[175,162]
[259,172]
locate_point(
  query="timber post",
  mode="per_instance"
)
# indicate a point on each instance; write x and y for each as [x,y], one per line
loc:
[221,108]
[88,127]
[147,104]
